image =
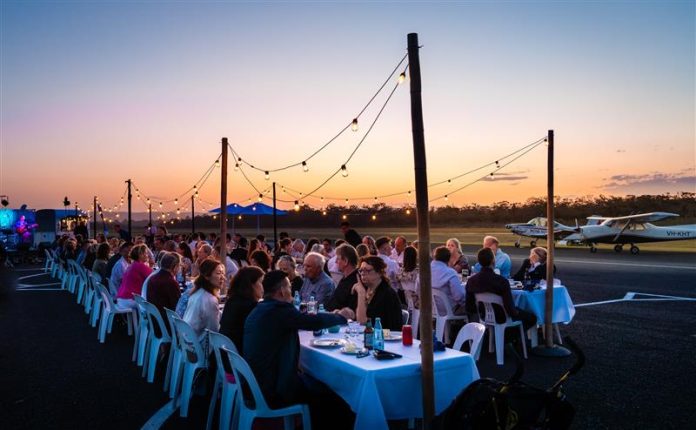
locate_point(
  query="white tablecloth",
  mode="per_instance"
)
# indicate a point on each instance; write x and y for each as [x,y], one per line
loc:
[535,302]
[391,389]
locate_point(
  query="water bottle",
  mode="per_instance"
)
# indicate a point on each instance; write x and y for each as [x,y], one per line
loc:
[312,306]
[321,311]
[296,300]
[378,339]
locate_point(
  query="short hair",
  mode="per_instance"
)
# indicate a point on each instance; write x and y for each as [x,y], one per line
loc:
[382,241]
[285,242]
[261,237]
[490,240]
[339,242]
[316,257]
[261,258]
[242,284]
[348,253]
[169,260]
[170,246]
[283,234]
[410,259]
[362,250]
[327,240]
[378,264]
[485,257]
[137,251]
[288,259]
[345,224]
[124,246]
[243,242]
[540,252]
[206,248]
[442,254]
[272,282]
[103,251]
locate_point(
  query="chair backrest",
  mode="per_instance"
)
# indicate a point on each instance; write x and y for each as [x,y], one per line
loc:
[48,254]
[242,371]
[488,300]
[106,298]
[143,291]
[217,342]
[472,332]
[188,341]
[442,304]
[97,277]
[155,318]
[172,328]
[113,288]
[404,316]
[140,310]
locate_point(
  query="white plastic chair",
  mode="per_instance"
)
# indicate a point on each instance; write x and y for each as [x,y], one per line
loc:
[224,381]
[241,369]
[81,283]
[174,356]
[89,294]
[404,316]
[472,333]
[192,359]
[49,261]
[443,312]
[96,300]
[109,310]
[488,300]
[141,332]
[154,342]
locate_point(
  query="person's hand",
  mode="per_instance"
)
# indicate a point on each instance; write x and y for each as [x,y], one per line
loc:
[358,289]
[346,313]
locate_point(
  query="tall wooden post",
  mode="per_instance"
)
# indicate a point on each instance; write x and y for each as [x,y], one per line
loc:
[423,218]
[275,219]
[149,217]
[193,214]
[223,202]
[130,201]
[94,223]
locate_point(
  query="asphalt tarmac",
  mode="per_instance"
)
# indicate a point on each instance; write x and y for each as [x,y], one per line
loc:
[640,370]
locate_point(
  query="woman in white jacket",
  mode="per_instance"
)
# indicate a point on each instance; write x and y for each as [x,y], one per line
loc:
[202,311]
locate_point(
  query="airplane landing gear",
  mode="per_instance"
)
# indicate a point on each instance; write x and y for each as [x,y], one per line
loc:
[634,250]
[593,249]
[618,248]
[532,243]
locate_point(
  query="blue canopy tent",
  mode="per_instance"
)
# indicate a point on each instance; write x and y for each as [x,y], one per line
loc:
[257,209]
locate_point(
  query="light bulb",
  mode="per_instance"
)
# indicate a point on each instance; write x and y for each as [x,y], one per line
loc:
[236,167]
[354,124]
[305,168]
[239,217]
[160,205]
[446,198]
[260,198]
[267,176]
[148,201]
[344,217]
[344,171]
[374,217]
[297,205]
[346,201]
[217,163]
[323,212]
[176,201]
[408,211]
[402,77]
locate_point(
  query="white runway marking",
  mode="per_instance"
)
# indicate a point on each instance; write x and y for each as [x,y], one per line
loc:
[631,297]
[20,286]
[28,270]
[161,416]
[32,276]
[38,289]
[604,263]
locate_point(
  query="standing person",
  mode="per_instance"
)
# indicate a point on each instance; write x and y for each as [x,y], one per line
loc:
[134,277]
[487,281]
[162,288]
[400,245]
[343,299]
[376,298]
[351,236]
[123,234]
[409,277]
[272,349]
[202,308]
[502,260]
[244,294]
[287,264]
[240,253]
[457,259]
[316,283]
[82,230]
[384,250]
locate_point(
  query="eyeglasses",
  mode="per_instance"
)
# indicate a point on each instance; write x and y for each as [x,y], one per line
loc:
[365,271]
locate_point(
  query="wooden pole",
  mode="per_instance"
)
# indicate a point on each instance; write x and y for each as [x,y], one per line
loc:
[130,201]
[193,214]
[275,219]
[423,218]
[548,312]
[94,224]
[149,215]
[223,202]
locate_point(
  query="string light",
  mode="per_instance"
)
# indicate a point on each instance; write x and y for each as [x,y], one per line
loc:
[260,199]
[176,201]
[160,205]
[217,163]
[236,167]
[297,206]
[374,217]
[239,217]
[305,168]
[344,217]
[408,211]
[354,124]
[402,77]
[323,212]
[446,197]
[344,171]
[267,175]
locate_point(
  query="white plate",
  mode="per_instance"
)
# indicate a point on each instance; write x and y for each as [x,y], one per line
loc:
[356,351]
[393,337]
[327,343]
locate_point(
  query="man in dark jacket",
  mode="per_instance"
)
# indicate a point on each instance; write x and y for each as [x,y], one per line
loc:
[271,342]
[343,298]
[350,235]
[162,288]
[487,281]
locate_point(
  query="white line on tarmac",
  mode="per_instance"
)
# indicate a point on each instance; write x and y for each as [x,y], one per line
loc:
[631,297]
[38,285]
[39,289]
[604,263]
[31,276]
[161,416]
[28,270]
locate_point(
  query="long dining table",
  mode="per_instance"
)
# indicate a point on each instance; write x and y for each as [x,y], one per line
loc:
[381,390]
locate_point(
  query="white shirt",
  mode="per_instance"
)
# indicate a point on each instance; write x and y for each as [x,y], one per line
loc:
[231,269]
[202,312]
[392,270]
[118,271]
[399,258]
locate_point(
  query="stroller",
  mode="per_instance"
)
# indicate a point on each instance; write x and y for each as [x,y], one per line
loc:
[512,405]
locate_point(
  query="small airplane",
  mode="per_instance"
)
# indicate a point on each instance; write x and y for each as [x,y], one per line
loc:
[536,228]
[630,229]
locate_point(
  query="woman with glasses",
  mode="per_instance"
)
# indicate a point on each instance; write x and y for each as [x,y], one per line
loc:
[376,298]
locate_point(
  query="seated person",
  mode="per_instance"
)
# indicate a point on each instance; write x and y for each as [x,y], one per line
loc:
[202,308]
[457,259]
[502,260]
[162,288]
[445,279]
[316,282]
[343,298]
[272,345]
[534,267]
[287,264]
[245,292]
[486,281]
[134,277]
[376,298]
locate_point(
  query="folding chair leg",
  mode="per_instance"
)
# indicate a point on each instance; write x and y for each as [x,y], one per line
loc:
[186,388]
[500,344]
[213,403]
[523,341]
[558,333]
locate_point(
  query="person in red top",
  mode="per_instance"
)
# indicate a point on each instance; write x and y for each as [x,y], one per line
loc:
[134,277]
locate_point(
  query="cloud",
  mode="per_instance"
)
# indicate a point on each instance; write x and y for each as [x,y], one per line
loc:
[620,150]
[504,177]
[684,180]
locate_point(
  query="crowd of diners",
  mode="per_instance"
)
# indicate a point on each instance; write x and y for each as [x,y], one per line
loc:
[355,278]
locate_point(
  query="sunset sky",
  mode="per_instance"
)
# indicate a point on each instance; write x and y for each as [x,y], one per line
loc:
[94,93]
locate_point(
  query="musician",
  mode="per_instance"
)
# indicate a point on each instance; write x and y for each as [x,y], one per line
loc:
[23,229]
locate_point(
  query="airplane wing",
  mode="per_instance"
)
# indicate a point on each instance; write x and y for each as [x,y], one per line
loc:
[638,218]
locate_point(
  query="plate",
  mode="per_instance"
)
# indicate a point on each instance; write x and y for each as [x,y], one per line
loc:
[356,351]
[327,343]
[393,337]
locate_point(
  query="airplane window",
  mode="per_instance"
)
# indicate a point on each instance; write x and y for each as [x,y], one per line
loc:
[638,227]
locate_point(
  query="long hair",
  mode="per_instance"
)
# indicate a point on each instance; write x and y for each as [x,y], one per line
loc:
[410,259]
[242,284]
[206,269]
[186,250]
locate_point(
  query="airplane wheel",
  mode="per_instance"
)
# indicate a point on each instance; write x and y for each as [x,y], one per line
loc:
[532,243]
[517,244]
[634,250]
[618,248]
[593,249]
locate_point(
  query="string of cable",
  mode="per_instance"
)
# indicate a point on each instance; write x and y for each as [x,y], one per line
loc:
[353,124]
[496,162]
